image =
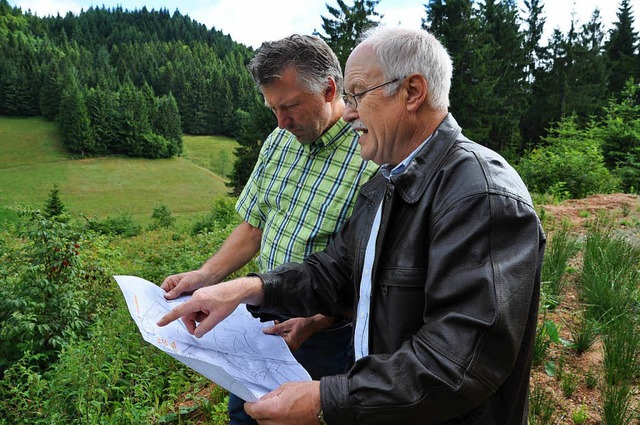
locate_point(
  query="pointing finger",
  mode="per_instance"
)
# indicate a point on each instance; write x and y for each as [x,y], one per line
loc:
[177,312]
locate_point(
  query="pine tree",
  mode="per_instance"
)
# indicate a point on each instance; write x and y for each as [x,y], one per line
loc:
[255,126]
[74,121]
[167,122]
[456,25]
[51,90]
[503,107]
[347,24]
[54,206]
[621,49]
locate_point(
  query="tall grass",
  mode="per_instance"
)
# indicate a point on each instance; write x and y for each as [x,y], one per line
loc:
[562,247]
[621,350]
[610,275]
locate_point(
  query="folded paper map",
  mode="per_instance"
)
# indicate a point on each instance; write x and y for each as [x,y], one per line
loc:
[236,354]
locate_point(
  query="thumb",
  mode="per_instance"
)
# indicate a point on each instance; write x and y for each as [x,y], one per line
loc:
[172,294]
[274,330]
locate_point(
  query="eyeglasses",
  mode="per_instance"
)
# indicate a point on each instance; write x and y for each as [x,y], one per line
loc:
[351,99]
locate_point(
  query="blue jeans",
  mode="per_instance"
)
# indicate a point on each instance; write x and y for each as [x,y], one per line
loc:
[325,353]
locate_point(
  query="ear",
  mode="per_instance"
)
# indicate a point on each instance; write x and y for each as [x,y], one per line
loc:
[331,90]
[417,91]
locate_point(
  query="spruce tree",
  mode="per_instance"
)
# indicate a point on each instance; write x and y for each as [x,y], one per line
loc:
[74,121]
[167,122]
[54,206]
[255,126]
[346,24]
[621,49]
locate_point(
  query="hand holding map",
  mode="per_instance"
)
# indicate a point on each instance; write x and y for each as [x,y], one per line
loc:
[236,354]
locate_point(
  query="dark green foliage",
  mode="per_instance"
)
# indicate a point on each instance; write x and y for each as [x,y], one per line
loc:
[118,225]
[571,165]
[46,295]
[102,106]
[161,217]
[346,25]
[166,121]
[619,131]
[622,49]
[51,89]
[54,206]
[255,126]
[222,215]
[126,65]
[75,125]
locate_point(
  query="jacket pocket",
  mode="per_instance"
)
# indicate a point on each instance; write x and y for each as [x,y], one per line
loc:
[398,307]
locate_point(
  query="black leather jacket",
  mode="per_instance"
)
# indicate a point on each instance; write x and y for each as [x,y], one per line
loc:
[454,295]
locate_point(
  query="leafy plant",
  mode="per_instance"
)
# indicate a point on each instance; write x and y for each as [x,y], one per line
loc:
[546,333]
[45,300]
[580,415]
[161,218]
[571,164]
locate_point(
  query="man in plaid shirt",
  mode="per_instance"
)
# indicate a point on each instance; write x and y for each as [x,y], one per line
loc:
[302,189]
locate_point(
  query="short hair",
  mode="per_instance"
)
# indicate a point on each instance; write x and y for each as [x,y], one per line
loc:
[403,51]
[309,55]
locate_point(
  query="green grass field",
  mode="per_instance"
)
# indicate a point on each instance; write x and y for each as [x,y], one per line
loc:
[32,160]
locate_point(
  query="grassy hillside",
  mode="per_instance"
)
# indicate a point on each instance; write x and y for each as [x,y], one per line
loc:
[32,160]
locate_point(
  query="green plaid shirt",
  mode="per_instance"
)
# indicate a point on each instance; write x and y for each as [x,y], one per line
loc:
[299,195]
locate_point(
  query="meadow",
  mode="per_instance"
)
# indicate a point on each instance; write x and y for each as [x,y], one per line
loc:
[32,160]
[70,353]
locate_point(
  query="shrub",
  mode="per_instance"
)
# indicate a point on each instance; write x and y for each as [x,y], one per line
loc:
[161,218]
[118,225]
[49,288]
[570,165]
[222,215]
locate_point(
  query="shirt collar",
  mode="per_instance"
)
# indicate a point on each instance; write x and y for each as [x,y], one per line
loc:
[328,138]
[387,171]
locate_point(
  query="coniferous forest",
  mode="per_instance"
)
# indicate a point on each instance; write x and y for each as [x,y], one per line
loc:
[132,82]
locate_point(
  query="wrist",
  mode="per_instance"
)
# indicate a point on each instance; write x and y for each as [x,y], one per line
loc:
[251,290]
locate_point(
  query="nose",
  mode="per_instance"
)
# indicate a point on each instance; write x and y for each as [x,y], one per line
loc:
[284,119]
[349,114]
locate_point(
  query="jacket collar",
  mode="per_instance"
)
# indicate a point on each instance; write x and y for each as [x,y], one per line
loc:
[411,184]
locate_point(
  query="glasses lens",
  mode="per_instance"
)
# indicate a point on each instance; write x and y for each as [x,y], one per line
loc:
[350,100]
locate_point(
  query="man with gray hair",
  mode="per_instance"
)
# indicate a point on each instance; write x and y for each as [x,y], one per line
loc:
[302,189]
[441,257]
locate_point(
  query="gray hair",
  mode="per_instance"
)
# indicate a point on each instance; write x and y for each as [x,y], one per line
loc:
[403,51]
[309,55]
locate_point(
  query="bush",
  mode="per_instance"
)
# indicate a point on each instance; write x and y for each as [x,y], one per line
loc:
[49,288]
[222,215]
[161,218]
[571,165]
[119,225]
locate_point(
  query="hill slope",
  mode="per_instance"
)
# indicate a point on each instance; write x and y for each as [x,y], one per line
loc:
[32,160]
